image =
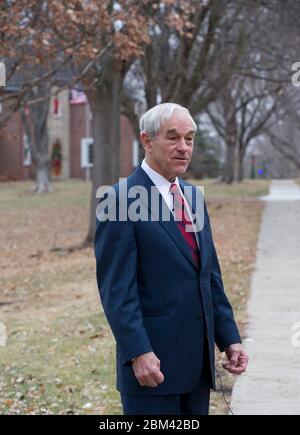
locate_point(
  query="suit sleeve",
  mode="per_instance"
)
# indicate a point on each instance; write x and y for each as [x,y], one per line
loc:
[226,331]
[116,265]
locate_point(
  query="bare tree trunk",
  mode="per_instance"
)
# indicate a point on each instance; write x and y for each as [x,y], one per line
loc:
[239,163]
[229,163]
[105,102]
[42,177]
[231,148]
[241,172]
[236,163]
[35,123]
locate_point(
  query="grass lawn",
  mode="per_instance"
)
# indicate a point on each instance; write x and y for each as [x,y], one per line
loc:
[246,191]
[59,356]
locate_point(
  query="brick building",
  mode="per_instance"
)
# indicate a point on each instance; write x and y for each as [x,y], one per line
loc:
[70,142]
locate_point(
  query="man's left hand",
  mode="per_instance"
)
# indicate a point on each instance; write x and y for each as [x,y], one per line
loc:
[237,359]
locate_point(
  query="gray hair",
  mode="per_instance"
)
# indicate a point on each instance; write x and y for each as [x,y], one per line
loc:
[152,120]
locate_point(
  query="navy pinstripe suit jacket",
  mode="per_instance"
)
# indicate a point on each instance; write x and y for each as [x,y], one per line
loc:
[155,299]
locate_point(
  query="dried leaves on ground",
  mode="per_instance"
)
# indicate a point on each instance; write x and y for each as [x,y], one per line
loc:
[59,354]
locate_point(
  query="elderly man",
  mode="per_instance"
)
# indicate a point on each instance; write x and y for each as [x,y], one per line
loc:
[160,281]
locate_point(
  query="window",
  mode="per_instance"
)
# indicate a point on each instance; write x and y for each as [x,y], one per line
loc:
[27,160]
[135,153]
[87,152]
[2,74]
[56,108]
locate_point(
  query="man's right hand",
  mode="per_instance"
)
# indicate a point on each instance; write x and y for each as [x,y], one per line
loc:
[146,368]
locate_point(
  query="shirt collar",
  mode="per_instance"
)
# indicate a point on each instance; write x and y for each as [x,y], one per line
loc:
[160,182]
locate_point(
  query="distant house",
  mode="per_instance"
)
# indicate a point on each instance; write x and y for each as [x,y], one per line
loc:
[70,142]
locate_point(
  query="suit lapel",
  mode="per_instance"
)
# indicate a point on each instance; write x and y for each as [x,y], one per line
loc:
[171,227]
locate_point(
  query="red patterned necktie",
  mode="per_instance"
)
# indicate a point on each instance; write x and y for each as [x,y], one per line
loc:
[183,220]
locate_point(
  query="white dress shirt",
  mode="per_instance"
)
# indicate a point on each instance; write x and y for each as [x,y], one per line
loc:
[163,185]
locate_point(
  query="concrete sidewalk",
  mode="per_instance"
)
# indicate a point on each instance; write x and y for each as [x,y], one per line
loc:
[272,383]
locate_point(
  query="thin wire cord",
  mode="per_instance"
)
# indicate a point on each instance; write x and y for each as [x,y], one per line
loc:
[223,392]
